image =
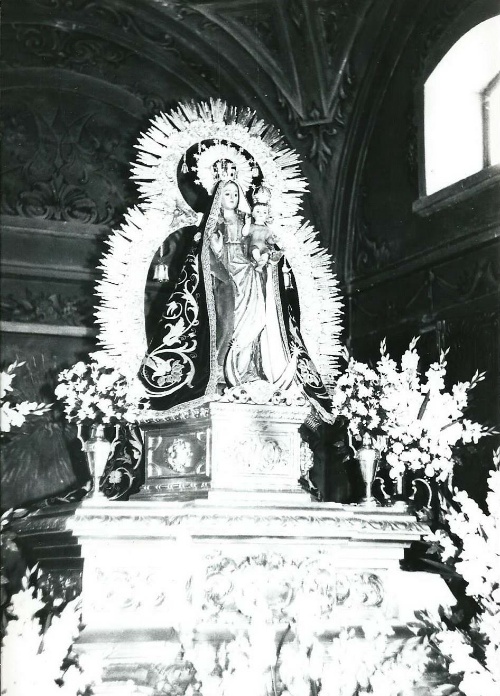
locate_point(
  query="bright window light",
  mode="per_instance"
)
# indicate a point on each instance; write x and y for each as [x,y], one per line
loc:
[491,121]
[456,104]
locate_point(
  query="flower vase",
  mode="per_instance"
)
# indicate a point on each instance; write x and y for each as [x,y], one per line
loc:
[368,457]
[97,449]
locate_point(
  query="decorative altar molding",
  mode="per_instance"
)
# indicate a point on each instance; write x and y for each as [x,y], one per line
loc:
[263,393]
[152,416]
[227,588]
[161,519]
[155,571]
[155,564]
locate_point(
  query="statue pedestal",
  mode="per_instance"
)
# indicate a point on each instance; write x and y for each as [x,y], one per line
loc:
[158,573]
[228,451]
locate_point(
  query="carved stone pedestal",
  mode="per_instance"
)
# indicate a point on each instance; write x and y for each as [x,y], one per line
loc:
[234,450]
[159,573]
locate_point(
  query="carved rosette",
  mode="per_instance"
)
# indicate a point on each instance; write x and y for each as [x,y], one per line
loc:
[177,456]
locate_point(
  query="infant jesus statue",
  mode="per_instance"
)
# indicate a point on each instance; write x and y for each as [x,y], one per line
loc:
[258,237]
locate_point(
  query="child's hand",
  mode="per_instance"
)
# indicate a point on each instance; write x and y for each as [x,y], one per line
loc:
[275,256]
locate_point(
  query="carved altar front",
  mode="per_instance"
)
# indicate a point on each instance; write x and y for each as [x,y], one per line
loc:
[159,572]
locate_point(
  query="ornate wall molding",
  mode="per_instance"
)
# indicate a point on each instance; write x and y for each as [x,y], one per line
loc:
[66,167]
[388,44]
[435,35]
[260,28]
[30,329]
[60,47]
[428,293]
[48,308]
[318,135]
[368,252]
[46,261]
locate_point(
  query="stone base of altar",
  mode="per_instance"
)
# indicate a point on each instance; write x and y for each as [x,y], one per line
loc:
[156,574]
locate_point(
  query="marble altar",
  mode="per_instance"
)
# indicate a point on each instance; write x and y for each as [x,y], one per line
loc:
[156,573]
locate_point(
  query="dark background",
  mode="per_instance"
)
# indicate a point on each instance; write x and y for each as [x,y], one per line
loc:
[342,79]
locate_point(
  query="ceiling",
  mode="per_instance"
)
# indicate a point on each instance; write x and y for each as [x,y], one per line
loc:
[82,77]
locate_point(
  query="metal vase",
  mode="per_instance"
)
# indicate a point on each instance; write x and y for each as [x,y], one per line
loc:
[368,458]
[97,449]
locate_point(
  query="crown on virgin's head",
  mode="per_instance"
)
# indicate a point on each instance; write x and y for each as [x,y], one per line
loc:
[225,170]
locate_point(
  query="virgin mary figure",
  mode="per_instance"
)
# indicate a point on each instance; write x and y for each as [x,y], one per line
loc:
[230,319]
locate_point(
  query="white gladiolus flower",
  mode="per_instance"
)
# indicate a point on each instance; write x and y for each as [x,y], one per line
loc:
[477,556]
[6,383]
[13,415]
[417,421]
[32,660]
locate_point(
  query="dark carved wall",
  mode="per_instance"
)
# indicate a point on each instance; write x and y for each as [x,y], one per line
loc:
[340,78]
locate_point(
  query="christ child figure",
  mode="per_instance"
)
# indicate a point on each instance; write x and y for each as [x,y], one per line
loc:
[258,237]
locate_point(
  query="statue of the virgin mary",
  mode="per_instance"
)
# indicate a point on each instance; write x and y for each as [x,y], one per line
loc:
[230,319]
[233,315]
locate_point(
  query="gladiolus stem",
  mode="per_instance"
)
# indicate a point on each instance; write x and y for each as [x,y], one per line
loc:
[424,406]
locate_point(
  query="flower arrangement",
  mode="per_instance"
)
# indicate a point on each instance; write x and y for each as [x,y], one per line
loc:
[12,414]
[98,393]
[471,547]
[357,397]
[38,658]
[410,417]
[256,662]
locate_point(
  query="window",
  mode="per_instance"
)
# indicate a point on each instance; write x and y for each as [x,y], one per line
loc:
[462,109]
[491,121]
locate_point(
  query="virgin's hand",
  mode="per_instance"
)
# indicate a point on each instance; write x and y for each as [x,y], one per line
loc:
[217,243]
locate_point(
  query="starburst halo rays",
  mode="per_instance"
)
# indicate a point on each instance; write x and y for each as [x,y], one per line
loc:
[163,210]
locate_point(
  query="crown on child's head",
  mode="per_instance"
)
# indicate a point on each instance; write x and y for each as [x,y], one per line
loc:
[224,170]
[262,195]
